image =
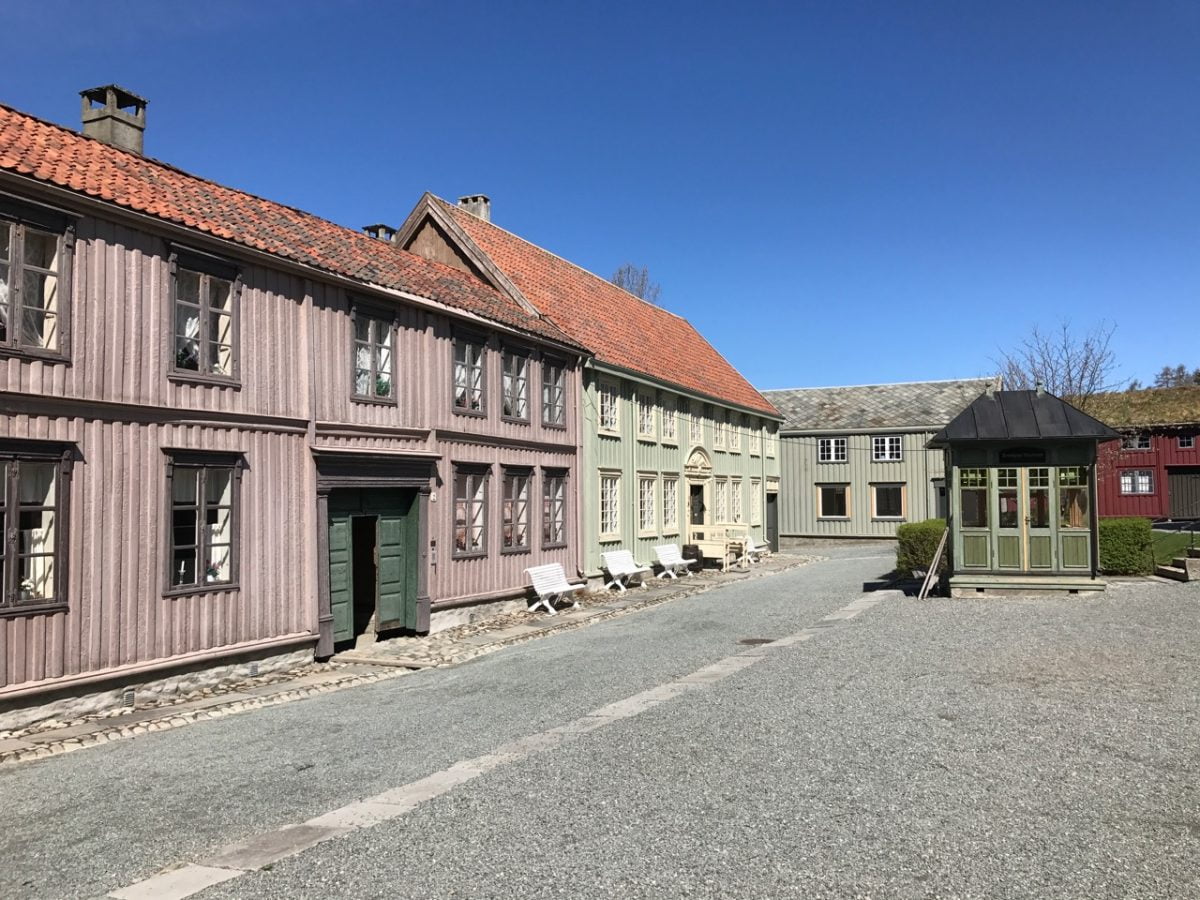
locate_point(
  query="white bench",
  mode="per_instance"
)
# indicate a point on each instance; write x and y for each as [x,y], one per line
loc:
[550,584]
[623,569]
[672,561]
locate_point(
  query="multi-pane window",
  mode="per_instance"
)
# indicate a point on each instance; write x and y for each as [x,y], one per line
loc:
[1187,441]
[670,504]
[554,393]
[468,376]
[554,509]
[755,439]
[718,430]
[1136,442]
[696,426]
[470,510]
[515,514]
[735,433]
[647,489]
[887,501]
[32,289]
[722,490]
[610,504]
[771,440]
[1137,481]
[973,497]
[832,501]
[756,502]
[204,511]
[886,449]
[32,540]
[373,364]
[515,385]
[645,415]
[831,449]
[1008,510]
[204,298]
[735,500]
[1073,497]
[670,422]
[609,411]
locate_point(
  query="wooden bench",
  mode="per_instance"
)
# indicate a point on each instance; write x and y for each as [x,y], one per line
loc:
[550,584]
[671,559]
[623,569]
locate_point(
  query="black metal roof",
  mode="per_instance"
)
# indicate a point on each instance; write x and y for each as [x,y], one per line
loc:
[1021,416]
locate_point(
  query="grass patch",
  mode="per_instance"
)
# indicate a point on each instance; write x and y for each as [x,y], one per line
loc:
[1170,544]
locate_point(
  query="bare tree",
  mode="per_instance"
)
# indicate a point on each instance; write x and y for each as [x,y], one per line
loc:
[637,282]
[1069,364]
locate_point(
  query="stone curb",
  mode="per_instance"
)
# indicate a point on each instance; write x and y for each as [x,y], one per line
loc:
[179,715]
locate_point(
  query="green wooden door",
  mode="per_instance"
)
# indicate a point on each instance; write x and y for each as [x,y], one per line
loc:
[1009,512]
[1039,521]
[341,566]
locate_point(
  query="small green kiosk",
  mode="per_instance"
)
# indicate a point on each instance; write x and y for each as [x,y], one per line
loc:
[1022,467]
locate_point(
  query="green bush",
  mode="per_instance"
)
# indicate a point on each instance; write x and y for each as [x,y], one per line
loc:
[918,542]
[1125,546]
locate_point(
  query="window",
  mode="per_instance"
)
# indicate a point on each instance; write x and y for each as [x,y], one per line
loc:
[609,413]
[771,440]
[610,505]
[554,509]
[755,440]
[515,388]
[832,501]
[373,340]
[1137,481]
[204,524]
[204,295]
[718,429]
[1187,441]
[973,497]
[1073,497]
[735,500]
[756,502]
[645,416]
[696,426]
[35,264]
[831,450]
[34,483]
[670,504]
[1008,512]
[468,376]
[647,517]
[554,393]
[515,535]
[470,510]
[722,486]
[735,433]
[670,422]
[1136,442]
[887,501]
[886,449]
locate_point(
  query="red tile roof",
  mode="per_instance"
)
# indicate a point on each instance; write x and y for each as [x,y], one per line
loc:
[616,326]
[58,156]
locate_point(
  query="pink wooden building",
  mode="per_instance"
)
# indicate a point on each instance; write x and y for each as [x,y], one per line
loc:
[235,431]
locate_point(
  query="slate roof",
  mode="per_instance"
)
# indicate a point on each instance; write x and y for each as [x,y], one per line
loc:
[913,406]
[1021,416]
[1151,408]
[617,327]
[58,156]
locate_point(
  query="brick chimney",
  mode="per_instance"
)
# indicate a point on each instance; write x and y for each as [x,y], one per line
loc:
[477,205]
[115,116]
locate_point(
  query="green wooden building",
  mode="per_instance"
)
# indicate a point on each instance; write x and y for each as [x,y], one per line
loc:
[1022,466]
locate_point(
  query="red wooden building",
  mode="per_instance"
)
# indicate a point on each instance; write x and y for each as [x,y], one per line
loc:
[1154,470]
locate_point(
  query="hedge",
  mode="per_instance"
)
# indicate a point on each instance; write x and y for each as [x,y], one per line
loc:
[1125,546]
[918,542]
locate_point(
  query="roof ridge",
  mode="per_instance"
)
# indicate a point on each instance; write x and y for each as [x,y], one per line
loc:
[456,208]
[834,387]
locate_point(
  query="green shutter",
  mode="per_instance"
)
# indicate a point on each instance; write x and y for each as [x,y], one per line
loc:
[341,595]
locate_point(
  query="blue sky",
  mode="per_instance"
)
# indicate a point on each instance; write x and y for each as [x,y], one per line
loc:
[834,193]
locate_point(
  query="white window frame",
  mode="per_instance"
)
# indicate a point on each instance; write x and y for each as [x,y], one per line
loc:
[887,448]
[833,450]
[736,506]
[721,489]
[608,410]
[647,504]
[756,501]
[735,433]
[1132,481]
[718,430]
[1137,443]
[754,439]
[1191,442]
[696,425]
[610,506]
[670,421]
[670,524]
[770,440]
[645,416]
